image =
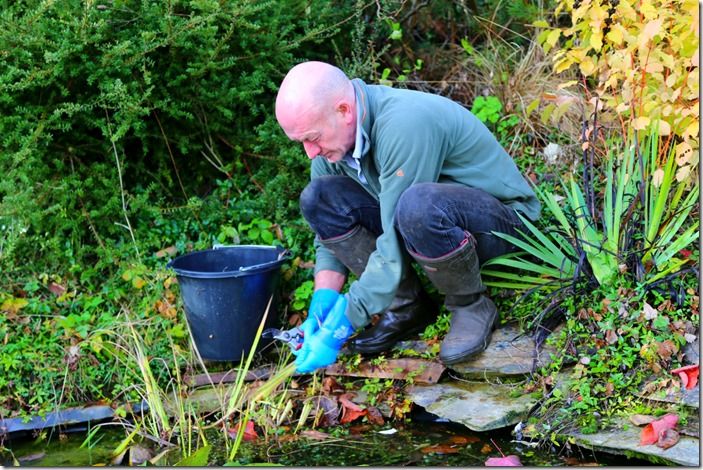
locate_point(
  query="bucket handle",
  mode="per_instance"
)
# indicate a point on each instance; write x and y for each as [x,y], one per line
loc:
[283,254]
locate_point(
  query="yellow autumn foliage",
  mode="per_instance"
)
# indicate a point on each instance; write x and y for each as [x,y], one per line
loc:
[641,58]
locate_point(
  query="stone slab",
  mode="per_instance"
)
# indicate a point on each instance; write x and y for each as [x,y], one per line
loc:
[625,440]
[690,398]
[509,353]
[479,406]
[419,370]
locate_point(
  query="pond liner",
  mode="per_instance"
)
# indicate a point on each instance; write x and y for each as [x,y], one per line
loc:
[14,428]
[17,427]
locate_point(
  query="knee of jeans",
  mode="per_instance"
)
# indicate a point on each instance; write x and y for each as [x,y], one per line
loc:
[310,197]
[412,206]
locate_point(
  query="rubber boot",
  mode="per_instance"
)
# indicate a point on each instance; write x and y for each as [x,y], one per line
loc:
[409,313]
[474,316]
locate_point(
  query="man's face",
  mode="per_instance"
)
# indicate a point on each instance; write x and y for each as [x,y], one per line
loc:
[328,135]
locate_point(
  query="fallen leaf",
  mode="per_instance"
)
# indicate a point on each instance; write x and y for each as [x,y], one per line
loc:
[463,440]
[611,336]
[330,385]
[374,416]
[350,410]
[249,432]
[440,449]
[651,432]
[357,429]
[168,251]
[668,438]
[688,375]
[57,289]
[640,420]
[507,461]
[314,435]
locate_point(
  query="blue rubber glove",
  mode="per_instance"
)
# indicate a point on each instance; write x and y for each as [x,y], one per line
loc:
[322,348]
[322,302]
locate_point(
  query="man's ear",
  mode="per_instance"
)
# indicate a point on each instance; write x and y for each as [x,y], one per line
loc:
[346,110]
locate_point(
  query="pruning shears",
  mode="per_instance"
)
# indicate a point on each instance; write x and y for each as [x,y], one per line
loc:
[292,337]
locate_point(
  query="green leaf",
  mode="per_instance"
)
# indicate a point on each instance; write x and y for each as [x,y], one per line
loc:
[199,458]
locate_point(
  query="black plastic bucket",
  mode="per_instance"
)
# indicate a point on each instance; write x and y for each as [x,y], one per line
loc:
[226,291]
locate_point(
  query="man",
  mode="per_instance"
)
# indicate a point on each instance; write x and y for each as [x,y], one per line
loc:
[397,176]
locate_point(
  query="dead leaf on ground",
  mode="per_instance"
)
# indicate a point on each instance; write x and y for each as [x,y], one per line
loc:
[374,416]
[641,420]
[314,435]
[506,461]
[688,375]
[651,432]
[57,289]
[330,385]
[668,438]
[440,449]
[168,251]
[463,440]
[350,410]
[575,462]
[249,431]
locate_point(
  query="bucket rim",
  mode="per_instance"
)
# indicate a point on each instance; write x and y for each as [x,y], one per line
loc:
[283,256]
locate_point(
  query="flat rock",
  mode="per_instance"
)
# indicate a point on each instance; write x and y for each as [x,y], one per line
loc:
[479,406]
[625,440]
[690,398]
[417,370]
[691,352]
[509,353]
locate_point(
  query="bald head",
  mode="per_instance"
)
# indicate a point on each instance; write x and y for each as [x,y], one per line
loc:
[311,87]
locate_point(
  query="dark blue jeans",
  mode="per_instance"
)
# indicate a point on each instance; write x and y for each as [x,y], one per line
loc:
[431,218]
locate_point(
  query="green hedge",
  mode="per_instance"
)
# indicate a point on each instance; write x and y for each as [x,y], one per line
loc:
[154,85]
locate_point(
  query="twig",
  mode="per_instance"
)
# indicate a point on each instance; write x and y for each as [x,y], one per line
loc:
[119,174]
[170,153]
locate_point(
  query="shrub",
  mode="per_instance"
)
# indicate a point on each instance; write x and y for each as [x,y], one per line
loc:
[98,100]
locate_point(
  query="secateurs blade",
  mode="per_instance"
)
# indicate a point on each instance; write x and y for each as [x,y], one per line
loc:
[292,337]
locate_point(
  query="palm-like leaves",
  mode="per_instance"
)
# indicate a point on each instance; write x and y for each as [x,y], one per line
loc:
[643,213]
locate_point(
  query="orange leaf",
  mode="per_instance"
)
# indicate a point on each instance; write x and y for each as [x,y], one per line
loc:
[688,375]
[249,431]
[652,431]
[350,410]
[507,461]
[440,449]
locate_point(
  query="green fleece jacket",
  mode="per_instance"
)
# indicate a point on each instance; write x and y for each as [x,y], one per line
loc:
[415,137]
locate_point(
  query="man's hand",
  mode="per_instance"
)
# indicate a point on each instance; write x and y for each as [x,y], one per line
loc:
[322,302]
[321,349]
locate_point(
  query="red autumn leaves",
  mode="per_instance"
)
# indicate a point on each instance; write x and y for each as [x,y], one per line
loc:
[661,432]
[688,375]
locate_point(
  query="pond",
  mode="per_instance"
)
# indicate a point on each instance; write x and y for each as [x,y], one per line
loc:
[421,441]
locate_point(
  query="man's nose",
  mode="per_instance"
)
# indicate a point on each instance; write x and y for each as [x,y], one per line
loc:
[311,150]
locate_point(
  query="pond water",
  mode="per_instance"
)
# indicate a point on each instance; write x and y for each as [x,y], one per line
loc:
[410,443]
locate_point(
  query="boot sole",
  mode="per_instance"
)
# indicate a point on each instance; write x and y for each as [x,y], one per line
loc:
[464,356]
